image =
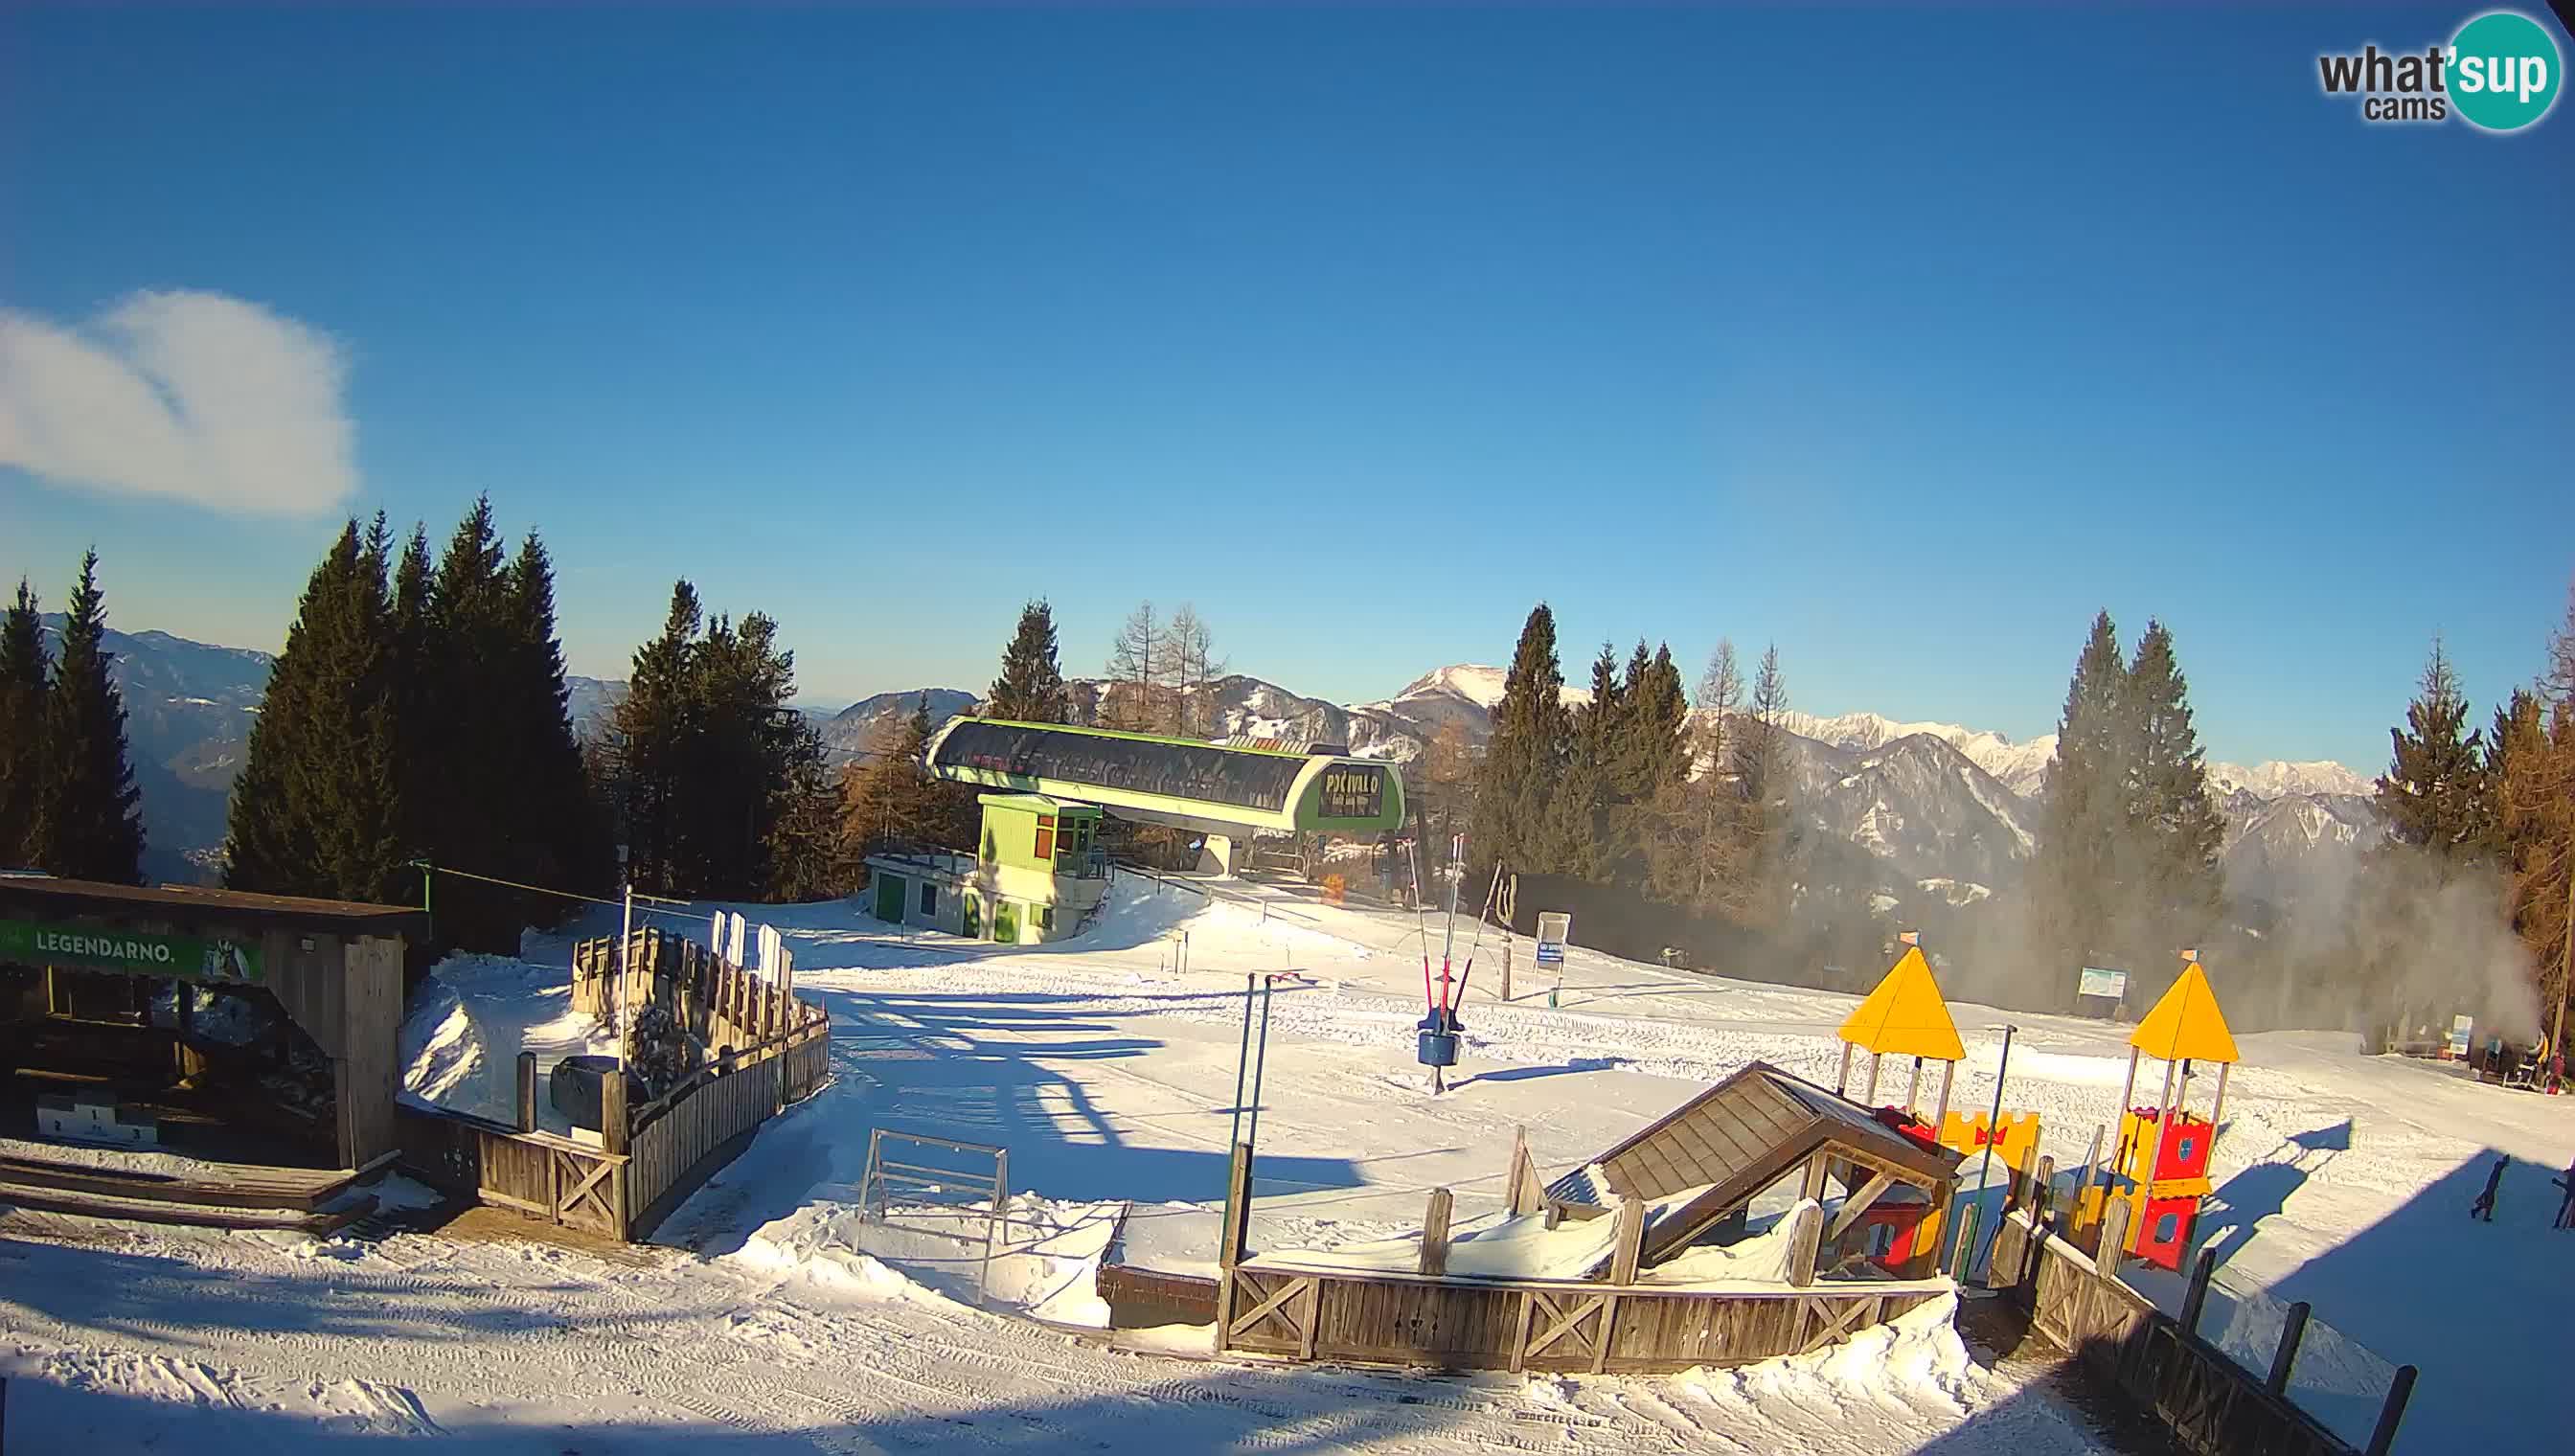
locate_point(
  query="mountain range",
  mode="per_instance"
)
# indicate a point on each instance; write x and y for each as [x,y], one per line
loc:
[1943,810]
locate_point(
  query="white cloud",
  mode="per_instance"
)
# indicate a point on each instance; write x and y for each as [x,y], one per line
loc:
[192,396]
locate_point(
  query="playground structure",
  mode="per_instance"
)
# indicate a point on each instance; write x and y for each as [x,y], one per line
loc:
[1906,1016]
[2159,1167]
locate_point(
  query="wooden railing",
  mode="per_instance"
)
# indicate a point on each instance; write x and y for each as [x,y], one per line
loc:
[2211,1405]
[681,1138]
[771,1049]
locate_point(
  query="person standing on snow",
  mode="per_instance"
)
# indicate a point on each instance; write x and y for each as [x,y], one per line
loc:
[2566,1200]
[2484,1206]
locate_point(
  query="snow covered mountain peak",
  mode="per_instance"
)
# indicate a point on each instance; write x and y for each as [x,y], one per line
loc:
[2280,779]
[1476,684]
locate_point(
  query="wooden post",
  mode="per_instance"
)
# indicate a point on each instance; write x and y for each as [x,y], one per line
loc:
[2197,1298]
[2292,1330]
[1434,1233]
[1870,1097]
[1630,1250]
[1842,1079]
[2114,1238]
[2399,1391]
[1857,1204]
[2043,1191]
[526,1091]
[1237,1208]
[1814,1184]
[1914,1089]
[1506,965]
[1948,1073]
[1962,1253]
[1805,1240]
[2219,1111]
[1526,1192]
[613,1129]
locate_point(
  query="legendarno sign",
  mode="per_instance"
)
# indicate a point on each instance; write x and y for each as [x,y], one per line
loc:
[188,957]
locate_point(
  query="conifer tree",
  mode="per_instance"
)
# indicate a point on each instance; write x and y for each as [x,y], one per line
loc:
[2434,795]
[25,675]
[86,810]
[1030,687]
[2171,817]
[559,840]
[2083,809]
[1531,742]
[317,810]
[2536,810]
[654,724]
[1583,829]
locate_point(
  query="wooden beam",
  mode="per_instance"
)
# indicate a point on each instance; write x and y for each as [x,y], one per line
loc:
[1237,1208]
[1632,1243]
[1857,1204]
[1526,1192]
[1434,1233]
[526,1091]
[1578,1314]
[1805,1236]
[1276,1303]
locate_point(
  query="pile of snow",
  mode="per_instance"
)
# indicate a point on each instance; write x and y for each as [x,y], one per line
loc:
[1501,1246]
[1912,1364]
[1044,1255]
[470,1019]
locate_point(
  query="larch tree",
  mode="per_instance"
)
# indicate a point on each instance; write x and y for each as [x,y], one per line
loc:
[25,673]
[1697,856]
[1030,687]
[1138,671]
[90,827]
[1194,667]
[1765,798]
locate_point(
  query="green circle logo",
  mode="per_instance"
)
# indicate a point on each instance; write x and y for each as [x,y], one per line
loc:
[2504,70]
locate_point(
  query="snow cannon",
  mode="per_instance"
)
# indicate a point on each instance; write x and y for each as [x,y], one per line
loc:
[1438,1040]
[2160,1166]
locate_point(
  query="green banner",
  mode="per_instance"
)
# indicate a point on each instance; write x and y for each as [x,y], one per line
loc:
[186,958]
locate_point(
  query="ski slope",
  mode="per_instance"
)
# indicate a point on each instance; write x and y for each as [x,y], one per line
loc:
[774,1319]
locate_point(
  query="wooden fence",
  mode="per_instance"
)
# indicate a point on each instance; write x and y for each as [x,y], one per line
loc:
[680,1140]
[1423,1321]
[534,1173]
[718,1003]
[2212,1406]
[773,1049]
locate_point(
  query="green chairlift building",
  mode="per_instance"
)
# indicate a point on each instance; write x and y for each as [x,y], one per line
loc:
[1039,871]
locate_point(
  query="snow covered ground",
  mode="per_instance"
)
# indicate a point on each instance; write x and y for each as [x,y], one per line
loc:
[777,1319]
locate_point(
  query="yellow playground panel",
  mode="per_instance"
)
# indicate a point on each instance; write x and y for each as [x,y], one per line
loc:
[2160,1165]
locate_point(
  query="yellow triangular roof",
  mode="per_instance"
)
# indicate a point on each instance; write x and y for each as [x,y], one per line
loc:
[1905,1016]
[2186,1024]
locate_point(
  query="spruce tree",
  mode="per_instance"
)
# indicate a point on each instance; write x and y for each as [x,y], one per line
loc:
[1583,829]
[90,827]
[1696,857]
[2173,820]
[1515,789]
[654,724]
[1030,687]
[559,839]
[317,810]
[2434,795]
[25,673]
[2084,807]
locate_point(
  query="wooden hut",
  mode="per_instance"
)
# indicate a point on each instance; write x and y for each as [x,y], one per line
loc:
[102,991]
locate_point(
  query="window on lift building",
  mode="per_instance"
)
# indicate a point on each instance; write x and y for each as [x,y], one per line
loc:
[929,898]
[1046,918]
[1046,837]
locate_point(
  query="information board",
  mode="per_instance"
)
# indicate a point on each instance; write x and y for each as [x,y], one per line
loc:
[2107,984]
[185,958]
[1555,927]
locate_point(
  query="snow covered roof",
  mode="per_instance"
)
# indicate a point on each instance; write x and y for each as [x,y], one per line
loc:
[1738,1137]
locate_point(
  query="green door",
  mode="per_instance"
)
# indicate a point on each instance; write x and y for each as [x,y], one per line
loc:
[1006,922]
[889,890]
[973,919]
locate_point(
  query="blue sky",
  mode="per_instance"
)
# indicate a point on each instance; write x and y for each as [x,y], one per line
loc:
[1906,341]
